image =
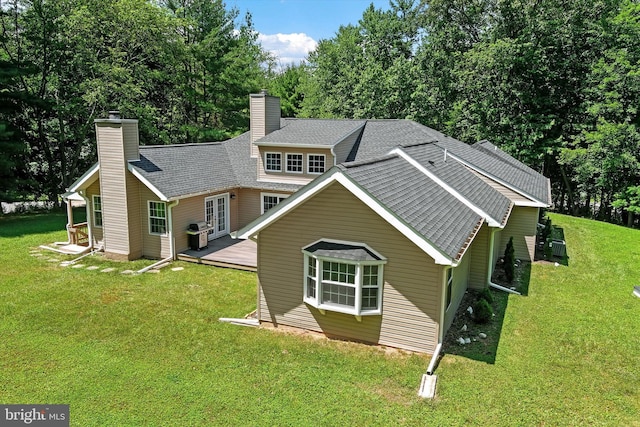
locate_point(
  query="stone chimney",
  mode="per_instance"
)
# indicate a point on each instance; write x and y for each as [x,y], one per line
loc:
[118,144]
[265,116]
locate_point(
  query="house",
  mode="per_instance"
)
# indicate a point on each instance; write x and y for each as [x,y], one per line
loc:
[369,230]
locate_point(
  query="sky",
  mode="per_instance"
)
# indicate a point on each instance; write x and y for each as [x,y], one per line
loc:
[290,29]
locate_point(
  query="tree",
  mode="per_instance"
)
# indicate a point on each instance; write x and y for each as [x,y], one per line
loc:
[287,85]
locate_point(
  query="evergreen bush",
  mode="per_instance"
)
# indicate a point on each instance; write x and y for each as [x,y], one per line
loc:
[482,311]
[486,294]
[509,261]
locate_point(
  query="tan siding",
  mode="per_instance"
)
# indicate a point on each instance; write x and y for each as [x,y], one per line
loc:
[135,222]
[131,142]
[478,254]
[510,194]
[343,148]
[412,289]
[522,226]
[291,177]
[155,246]
[113,188]
[248,206]
[265,117]
[191,210]
[460,276]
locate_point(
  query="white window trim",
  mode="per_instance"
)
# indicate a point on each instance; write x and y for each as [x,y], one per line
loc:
[166,226]
[93,207]
[286,161]
[262,196]
[324,156]
[265,161]
[356,310]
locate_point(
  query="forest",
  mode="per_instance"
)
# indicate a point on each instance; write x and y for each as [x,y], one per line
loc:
[554,83]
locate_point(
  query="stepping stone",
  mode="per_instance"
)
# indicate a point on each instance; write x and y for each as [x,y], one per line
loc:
[65,264]
[177,269]
[77,266]
[36,254]
[127,272]
[93,267]
[53,260]
[108,270]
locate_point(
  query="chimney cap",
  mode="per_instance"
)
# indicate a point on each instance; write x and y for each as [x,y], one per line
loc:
[114,115]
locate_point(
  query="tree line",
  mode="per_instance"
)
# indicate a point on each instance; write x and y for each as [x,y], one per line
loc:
[554,83]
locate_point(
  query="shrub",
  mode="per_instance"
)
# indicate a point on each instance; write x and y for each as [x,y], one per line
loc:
[509,261]
[486,294]
[482,311]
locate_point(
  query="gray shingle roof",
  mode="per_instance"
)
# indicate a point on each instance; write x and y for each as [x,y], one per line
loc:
[472,188]
[509,171]
[342,251]
[418,201]
[321,132]
[180,170]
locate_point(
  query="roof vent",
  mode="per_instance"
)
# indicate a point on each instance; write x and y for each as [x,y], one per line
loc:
[445,155]
[114,115]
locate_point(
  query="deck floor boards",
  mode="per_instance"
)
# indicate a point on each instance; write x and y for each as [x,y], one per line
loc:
[225,252]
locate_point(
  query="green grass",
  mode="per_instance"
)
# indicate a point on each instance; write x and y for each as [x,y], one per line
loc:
[149,350]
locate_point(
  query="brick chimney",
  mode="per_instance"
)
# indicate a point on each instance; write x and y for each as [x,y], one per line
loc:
[265,116]
[118,144]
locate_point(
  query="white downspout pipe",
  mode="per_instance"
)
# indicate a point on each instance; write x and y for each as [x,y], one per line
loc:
[172,243]
[443,309]
[490,269]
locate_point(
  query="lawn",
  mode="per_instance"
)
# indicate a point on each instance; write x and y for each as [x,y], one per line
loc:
[131,350]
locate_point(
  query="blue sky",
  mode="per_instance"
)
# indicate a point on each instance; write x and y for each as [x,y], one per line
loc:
[292,28]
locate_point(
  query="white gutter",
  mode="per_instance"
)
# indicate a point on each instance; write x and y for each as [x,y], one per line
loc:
[490,270]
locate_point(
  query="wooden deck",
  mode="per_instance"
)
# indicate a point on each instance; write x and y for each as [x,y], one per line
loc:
[225,252]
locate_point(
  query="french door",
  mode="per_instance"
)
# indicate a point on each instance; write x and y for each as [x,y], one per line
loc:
[216,213]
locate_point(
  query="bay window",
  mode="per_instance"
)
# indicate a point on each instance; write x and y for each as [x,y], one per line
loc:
[343,277]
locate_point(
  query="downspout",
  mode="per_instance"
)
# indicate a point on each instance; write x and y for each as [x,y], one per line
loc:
[172,243]
[490,269]
[436,353]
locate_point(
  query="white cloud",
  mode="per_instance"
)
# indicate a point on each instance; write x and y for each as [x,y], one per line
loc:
[288,48]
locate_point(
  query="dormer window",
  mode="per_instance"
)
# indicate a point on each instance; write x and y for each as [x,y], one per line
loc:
[316,163]
[273,162]
[294,163]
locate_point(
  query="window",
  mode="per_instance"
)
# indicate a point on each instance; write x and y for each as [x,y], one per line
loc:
[273,162]
[157,218]
[343,277]
[97,211]
[294,163]
[269,200]
[449,286]
[315,163]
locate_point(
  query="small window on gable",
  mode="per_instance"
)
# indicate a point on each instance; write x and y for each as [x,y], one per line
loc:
[157,218]
[343,277]
[294,163]
[97,211]
[316,163]
[273,162]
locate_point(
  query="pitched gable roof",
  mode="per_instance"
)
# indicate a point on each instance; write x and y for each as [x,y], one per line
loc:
[419,202]
[502,168]
[494,206]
